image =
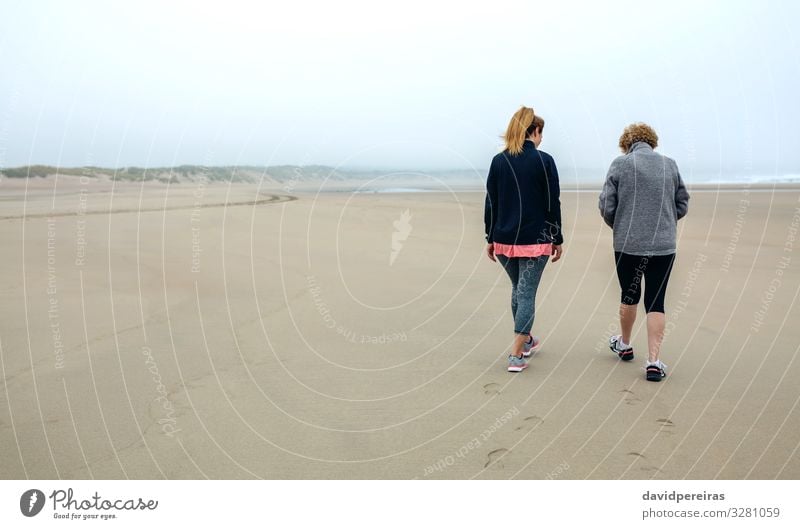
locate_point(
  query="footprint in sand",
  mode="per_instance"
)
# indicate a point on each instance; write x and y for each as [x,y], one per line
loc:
[492,388]
[636,454]
[652,469]
[530,423]
[664,426]
[493,456]
[630,397]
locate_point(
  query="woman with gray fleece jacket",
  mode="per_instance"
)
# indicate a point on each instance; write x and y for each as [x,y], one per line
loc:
[642,200]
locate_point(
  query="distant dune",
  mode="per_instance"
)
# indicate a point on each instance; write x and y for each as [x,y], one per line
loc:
[277,174]
[183,173]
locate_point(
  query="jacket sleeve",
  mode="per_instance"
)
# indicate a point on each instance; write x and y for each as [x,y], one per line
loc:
[608,197]
[553,216]
[490,206]
[681,196]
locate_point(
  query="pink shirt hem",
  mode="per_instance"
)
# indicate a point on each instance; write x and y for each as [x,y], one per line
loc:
[523,250]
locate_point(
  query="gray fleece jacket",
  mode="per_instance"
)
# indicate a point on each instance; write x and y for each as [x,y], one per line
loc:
[642,200]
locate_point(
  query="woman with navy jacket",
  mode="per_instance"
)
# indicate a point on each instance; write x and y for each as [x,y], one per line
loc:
[523,222]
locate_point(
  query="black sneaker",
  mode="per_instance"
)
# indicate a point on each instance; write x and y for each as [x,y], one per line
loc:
[624,354]
[655,371]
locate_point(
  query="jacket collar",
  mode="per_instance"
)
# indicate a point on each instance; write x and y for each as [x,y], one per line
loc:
[528,144]
[640,146]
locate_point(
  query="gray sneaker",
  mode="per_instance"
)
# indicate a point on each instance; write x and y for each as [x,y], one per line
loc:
[516,364]
[531,346]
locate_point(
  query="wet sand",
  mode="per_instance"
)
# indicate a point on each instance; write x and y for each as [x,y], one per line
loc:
[154,332]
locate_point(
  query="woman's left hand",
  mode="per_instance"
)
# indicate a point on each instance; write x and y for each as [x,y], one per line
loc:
[557,252]
[490,251]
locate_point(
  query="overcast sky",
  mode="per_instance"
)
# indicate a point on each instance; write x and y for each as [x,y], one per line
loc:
[411,84]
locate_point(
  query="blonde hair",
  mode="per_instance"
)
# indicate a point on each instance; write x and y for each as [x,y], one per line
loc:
[522,125]
[538,123]
[637,132]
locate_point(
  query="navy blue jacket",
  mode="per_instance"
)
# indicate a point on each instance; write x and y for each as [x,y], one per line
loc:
[522,198]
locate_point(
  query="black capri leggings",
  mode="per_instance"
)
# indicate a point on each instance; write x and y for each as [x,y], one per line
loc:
[655,270]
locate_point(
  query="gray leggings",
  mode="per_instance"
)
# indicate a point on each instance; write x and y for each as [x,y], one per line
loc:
[525,274]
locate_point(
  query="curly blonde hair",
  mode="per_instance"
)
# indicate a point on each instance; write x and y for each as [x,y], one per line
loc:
[637,132]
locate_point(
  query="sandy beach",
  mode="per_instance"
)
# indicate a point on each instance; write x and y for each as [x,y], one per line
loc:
[192,331]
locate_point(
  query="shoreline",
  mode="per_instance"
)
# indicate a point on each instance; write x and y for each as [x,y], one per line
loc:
[15,186]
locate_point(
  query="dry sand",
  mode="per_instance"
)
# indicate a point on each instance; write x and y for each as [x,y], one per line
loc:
[277,341]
